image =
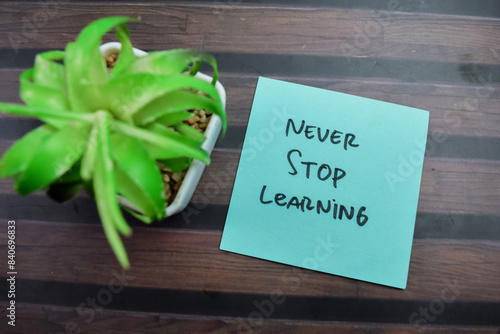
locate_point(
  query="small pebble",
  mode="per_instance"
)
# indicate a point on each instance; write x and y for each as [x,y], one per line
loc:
[177,176]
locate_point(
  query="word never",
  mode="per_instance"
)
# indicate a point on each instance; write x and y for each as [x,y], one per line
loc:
[335,136]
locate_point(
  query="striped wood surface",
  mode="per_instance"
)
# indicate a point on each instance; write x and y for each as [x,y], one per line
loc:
[442,58]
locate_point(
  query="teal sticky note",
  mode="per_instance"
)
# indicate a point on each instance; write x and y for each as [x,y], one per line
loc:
[329,182]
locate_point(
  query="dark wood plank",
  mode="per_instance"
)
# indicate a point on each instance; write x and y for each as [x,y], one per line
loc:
[33,318]
[274,30]
[191,260]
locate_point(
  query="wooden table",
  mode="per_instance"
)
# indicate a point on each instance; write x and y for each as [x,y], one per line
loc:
[441,56]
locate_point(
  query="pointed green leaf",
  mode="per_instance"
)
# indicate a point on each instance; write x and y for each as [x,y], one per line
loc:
[141,181]
[131,192]
[128,93]
[190,132]
[36,95]
[85,67]
[56,118]
[174,118]
[126,56]
[72,175]
[196,68]
[54,157]
[172,62]
[49,73]
[166,140]
[177,164]
[106,165]
[89,157]
[174,102]
[18,156]
[107,211]
[160,152]
[143,218]
[105,191]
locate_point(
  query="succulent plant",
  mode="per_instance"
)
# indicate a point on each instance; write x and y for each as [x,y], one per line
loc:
[106,129]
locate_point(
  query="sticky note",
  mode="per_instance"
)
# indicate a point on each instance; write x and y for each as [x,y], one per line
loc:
[328,181]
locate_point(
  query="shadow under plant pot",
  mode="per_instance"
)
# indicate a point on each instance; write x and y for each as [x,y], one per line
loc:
[190,177]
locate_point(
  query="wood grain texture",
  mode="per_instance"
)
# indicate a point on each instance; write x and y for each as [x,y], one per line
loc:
[191,260]
[455,109]
[351,33]
[278,30]
[383,52]
[54,319]
[39,26]
[449,186]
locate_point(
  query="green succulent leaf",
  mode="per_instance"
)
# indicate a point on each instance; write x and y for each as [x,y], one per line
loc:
[175,102]
[158,152]
[143,218]
[44,84]
[56,154]
[86,69]
[19,155]
[126,53]
[105,191]
[56,118]
[48,73]
[165,140]
[177,164]
[173,62]
[139,180]
[196,68]
[174,118]
[72,175]
[129,93]
[89,157]
[36,95]
[189,132]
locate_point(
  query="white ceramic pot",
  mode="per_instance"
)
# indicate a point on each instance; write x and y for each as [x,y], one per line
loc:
[194,172]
